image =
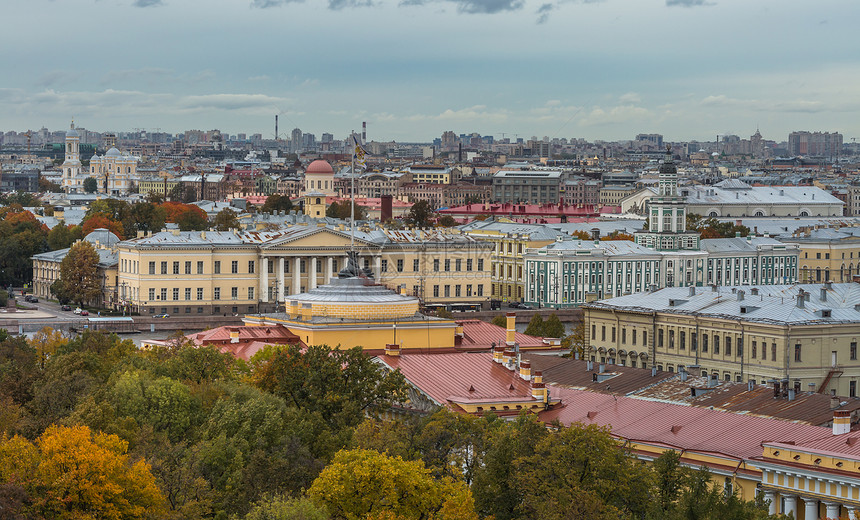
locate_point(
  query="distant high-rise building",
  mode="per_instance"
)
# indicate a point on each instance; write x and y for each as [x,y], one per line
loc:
[654,139]
[327,138]
[826,144]
[296,140]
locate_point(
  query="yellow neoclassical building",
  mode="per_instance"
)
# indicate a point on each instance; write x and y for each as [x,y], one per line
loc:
[353,310]
[827,254]
[210,272]
[803,334]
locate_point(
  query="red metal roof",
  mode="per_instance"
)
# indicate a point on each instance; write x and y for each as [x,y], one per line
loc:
[250,340]
[461,377]
[540,210]
[699,429]
[479,334]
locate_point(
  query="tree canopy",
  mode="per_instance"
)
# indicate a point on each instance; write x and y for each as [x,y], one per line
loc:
[420,214]
[79,275]
[342,211]
[226,219]
[91,185]
[275,203]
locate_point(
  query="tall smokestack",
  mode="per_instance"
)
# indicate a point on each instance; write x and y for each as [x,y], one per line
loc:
[276,127]
[460,152]
[364,132]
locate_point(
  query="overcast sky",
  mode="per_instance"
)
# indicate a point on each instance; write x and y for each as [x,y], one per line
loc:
[688,69]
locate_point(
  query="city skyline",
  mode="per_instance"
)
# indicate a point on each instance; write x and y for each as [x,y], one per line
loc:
[687,69]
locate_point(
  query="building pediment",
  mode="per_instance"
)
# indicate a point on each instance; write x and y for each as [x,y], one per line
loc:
[316,238]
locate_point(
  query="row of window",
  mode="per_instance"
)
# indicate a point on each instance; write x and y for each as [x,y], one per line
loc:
[458,292]
[163,293]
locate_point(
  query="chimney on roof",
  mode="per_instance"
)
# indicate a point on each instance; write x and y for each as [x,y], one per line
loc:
[511,328]
[692,290]
[508,358]
[740,296]
[234,336]
[751,385]
[828,285]
[683,373]
[823,294]
[589,366]
[653,371]
[713,287]
[800,299]
[498,352]
[526,370]
[841,422]
[601,368]
[538,386]
[791,394]
[392,349]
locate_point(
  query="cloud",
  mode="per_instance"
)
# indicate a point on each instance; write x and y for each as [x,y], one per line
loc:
[229,101]
[265,4]
[543,12]
[337,5]
[147,3]
[688,3]
[630,97]
[474,6]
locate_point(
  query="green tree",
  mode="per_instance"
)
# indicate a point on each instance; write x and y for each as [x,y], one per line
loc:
[62,236]
[91,185]
[342,211]
[226,219]
[280,507]
[577,340]
[275,203]
[582,470]
[535,327]
[495,487]
[553,327]
[342,385]
[500,321]
[446,221]
[79,274]
[361,484]
[420,214]
[163,403]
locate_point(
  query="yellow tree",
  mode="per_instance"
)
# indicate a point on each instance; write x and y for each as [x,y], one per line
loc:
[73,473]
[366,484]
[46,342]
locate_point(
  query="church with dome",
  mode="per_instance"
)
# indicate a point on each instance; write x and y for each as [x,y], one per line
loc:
[112,171]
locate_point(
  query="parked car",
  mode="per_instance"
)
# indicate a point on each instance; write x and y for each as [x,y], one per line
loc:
[65,308]
[78,310]
[161,316]
[31,299]
[85,313]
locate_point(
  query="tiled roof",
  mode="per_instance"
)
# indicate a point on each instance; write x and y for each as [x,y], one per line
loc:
[250,339]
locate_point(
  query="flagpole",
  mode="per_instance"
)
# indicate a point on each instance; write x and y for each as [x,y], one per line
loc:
[352,199]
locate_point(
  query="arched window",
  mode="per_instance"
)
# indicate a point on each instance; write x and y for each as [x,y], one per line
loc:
[318,200]
[759,214]
[713,214]
[804,213]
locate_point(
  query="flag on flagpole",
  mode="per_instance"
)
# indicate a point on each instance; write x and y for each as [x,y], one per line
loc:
[358,155]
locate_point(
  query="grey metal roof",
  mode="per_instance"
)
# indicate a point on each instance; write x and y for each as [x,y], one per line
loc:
[351,290]
[776,304]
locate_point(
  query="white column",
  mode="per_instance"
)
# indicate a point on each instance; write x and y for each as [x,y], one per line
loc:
[312,281]
[377,267]
[832,510]
[770,496]
[264,279]
[328,270]
[297,275]
[280,268]
[810,509]
[790,505]
[852,513]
